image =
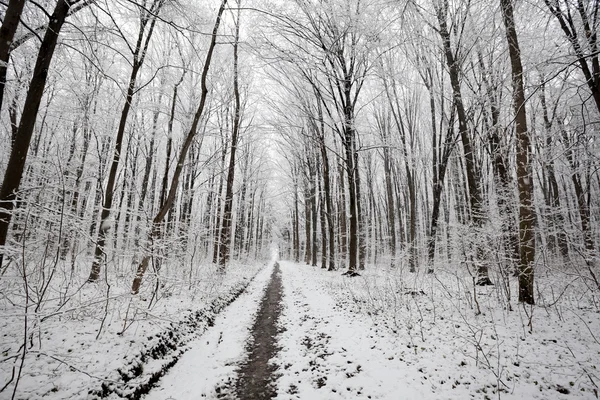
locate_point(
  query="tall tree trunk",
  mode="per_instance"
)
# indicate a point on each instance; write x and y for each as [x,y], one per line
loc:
[296,221]
[556,216]
[307,218]
[139,54]
[322,220]
[225,250]
[327,188]
[502,177]
[349,137]
[342,216]
[439,174]
[217,222]
[313,210]
[156,222]
[362,227]
[524,164]
[389,194]
[18,154]
[473,175]
[240,226]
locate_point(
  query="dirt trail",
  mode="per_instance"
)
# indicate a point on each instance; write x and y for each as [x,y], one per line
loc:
[256,376]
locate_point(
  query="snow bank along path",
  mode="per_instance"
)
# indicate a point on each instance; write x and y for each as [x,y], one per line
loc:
[208,369]
[327,353]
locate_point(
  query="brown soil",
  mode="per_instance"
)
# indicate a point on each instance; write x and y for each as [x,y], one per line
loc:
[256,376]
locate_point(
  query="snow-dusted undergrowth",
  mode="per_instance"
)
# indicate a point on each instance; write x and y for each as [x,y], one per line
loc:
[459,335]
[91,340]
[458,342]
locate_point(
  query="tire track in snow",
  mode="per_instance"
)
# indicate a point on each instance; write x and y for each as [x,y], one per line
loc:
[208,369]
[257,375]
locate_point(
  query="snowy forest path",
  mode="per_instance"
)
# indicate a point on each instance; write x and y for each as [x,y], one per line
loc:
[287,337]
[256,377]
[210,367]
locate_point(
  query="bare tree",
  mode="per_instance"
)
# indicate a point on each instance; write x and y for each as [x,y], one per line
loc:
[524,164]
[18,155]
[225,234]
[148,17]
[189,138]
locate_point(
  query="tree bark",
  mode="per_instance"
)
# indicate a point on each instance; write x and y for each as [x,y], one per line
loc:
[18,155]
[524,176]
[9,26]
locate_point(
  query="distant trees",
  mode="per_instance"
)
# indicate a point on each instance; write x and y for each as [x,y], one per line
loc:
[396,140]
[331,50]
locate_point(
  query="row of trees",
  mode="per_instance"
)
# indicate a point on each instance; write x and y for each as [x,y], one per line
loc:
[461,124]
[127,123]
[414,132]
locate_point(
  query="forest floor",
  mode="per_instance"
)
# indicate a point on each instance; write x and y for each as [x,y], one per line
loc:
[292,331]
[379,336]
[97,340]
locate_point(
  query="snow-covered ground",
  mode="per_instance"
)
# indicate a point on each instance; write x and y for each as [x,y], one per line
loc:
[390,335]
[394,335]
[77,340]
[330,353]
[386,334]
[208,369]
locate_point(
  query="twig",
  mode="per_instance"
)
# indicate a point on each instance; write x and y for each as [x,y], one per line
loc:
[75,368]
[25,319]
[107,299]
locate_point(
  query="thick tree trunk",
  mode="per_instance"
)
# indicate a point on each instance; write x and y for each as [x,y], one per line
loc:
[18,155]
[12,16]
[524,176]
[353,233]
